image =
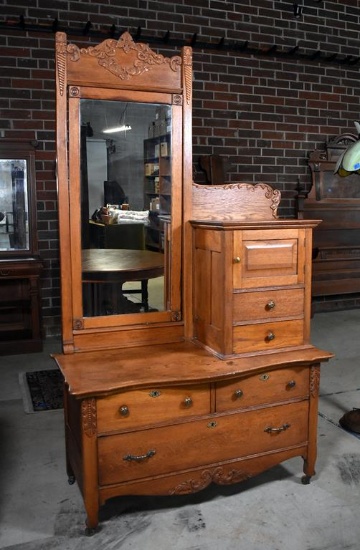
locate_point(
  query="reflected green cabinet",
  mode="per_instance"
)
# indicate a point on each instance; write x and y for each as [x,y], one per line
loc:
[20,265]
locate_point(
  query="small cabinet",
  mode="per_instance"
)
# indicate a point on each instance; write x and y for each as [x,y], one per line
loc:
[251,285]
[20,265]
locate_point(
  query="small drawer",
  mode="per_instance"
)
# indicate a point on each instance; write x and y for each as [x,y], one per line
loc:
[268,304]
[137,408]
[167,449]
[267,336]
[264,388]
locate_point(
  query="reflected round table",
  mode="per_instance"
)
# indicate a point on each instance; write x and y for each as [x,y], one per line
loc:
[104,268]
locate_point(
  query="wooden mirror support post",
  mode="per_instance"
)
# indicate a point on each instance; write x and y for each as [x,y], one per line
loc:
[231,351]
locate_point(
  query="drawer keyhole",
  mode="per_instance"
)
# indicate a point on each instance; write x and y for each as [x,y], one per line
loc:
[155,393]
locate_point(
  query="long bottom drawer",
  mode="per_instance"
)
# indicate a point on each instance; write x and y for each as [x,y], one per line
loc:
[211,440]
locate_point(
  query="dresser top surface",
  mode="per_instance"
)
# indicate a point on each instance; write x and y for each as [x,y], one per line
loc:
[105,372]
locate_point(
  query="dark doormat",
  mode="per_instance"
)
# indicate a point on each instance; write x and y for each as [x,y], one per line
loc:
[42,390]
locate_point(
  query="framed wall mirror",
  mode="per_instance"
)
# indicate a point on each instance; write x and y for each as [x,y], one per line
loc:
[121,116]
[17,206]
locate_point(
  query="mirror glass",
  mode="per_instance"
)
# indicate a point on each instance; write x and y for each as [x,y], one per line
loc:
[14,207]
[125,205]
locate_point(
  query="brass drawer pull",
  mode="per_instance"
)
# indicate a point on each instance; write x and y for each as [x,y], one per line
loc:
[291,384]
[237,260]
[124,410]
[188,402]
[270,336]
[238,394]
[139,458]
[282,428]
[270,305]
[4,272]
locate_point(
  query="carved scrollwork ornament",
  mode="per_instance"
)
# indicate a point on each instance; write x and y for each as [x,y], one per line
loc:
[88,414]
[177,99]
[314,380]
[74,91]
[60,47]
[105,53]
[215,475]
[188,73]
[78,324]
[175,316]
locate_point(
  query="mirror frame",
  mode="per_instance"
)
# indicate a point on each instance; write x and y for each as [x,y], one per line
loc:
[23,150]
[126,71]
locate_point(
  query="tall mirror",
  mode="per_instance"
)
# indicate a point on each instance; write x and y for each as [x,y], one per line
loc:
[122,159]
[125,204]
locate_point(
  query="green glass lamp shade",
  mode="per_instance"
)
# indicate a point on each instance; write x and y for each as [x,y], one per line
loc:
[349,161]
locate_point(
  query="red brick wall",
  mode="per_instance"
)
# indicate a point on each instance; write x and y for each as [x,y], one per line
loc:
[262,112]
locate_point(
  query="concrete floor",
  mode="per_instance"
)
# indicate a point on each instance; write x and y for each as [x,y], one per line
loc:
[39,510]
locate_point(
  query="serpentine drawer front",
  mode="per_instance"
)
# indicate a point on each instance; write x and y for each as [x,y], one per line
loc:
[138,408]
[167,449]
[264,388]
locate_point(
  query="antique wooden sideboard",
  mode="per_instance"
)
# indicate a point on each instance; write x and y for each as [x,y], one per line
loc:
[336,247]
[20,263]
[221,382]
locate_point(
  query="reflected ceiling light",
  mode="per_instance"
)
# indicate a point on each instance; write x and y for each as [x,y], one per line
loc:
[349,161]
[122,128]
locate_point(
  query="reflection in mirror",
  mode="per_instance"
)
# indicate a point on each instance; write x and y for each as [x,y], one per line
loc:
[125,205]
[14,208]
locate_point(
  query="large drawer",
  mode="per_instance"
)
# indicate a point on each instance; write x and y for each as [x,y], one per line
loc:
[267,336]
[212,440]
[133,409]
[264,388]
[268,304]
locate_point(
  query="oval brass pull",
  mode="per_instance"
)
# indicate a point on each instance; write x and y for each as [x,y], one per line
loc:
[270,305]
[237,260]
[188,402]
[139,458]
[270,336]
[124,410]
[238,393]
[282,428]
[291,384]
